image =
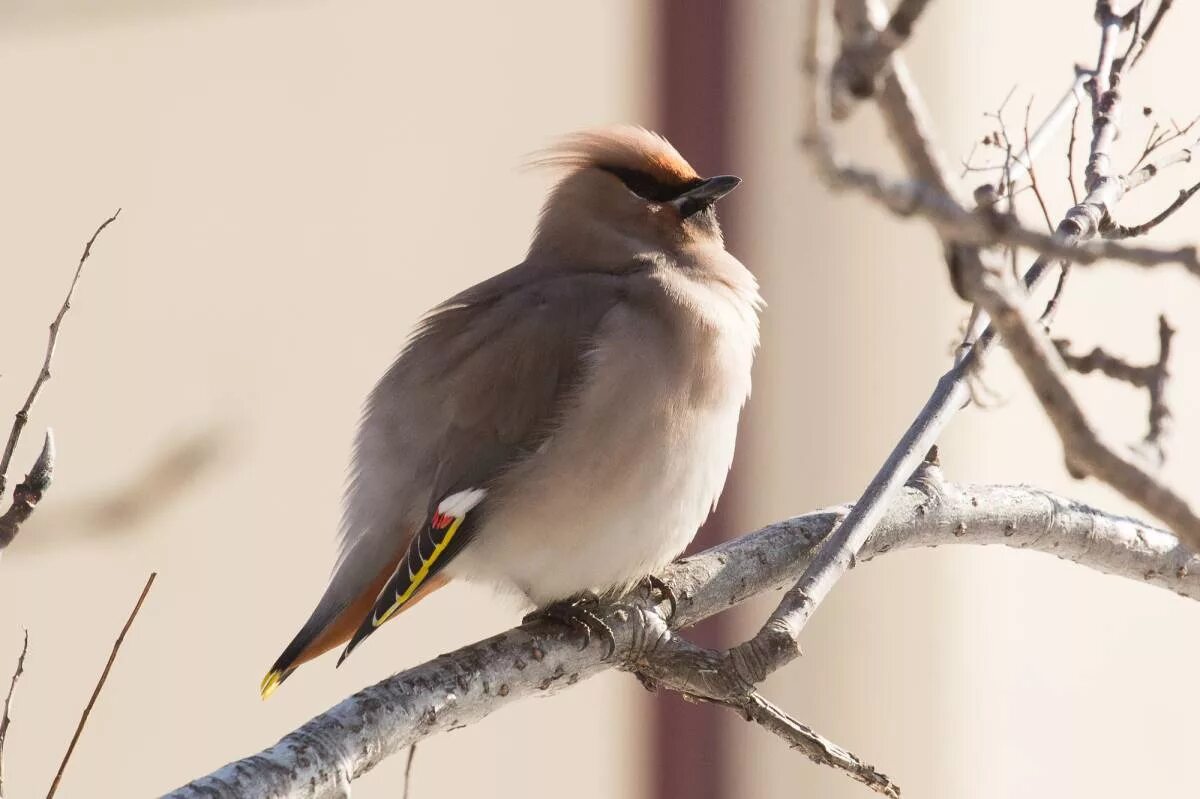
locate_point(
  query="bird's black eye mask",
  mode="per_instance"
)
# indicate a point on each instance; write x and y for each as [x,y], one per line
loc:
[650,188]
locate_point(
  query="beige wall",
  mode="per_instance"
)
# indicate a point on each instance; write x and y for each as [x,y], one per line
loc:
[297,179]
[294,176]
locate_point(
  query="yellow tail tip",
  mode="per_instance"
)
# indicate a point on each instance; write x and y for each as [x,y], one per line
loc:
[270,683]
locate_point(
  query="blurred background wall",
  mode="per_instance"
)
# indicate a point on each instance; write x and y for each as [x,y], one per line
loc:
[293,178]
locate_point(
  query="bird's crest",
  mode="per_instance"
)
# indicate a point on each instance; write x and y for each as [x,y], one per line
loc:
[623,147]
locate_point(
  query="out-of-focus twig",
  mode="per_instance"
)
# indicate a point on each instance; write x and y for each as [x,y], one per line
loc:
[1071,156]
[412,754]
[862,63]
[6,719]
[1033,173]
[22,416]
[123,507]
[1153,378]
[1085,451]
[1163,7]
[1069,103]
[87,710]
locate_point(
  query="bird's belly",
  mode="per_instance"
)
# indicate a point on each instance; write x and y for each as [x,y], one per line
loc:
[600,518]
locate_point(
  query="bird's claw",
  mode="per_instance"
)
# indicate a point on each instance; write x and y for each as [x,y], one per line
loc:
[660,591]
[578,614]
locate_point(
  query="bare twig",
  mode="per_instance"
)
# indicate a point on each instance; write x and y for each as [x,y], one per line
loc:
[6,719]
[1064,272]
[1045,133]
[913,130]
[1160,413]
[324,755]
[777,642]
[1143,172]
[23,415]
[1112,230]
[1163,7]
[1159,137]
[1105,106]
[1071,157]
[1084,450]
[862,62]
[28,492]
[983,228]
[1151,377]
[412,753]
[1033,173]
[87,710]
[813,745]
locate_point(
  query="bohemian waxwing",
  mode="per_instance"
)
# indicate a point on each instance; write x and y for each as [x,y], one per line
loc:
[565,427]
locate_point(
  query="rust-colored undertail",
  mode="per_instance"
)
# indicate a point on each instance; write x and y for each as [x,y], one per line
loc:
[307,646]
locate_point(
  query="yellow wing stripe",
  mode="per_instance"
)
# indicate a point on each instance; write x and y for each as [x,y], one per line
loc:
[421,574]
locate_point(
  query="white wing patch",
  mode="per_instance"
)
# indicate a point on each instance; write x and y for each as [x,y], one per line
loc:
[460,503]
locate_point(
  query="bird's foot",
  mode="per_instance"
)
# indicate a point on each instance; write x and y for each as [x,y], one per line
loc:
[579,614]
[659,592]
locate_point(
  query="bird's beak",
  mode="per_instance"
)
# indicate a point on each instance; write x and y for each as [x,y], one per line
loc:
[705,194]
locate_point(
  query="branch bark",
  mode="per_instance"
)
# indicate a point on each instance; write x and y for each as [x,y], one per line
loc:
[321,758]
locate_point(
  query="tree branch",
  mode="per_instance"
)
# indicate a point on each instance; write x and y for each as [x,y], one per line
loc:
[22,507]
[1084,449]
[322,757]
[1151,377]
[87,710]
[6,719]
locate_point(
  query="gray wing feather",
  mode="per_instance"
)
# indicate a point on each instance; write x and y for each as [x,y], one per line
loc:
[480,383]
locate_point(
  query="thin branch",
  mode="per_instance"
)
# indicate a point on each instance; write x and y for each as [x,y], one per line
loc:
[1105,101]
[1163,7]
[323,756]
[1159,137]
[862,63]
[1113,230]
[1143,172]
[412,753]
[23,415]
[777,642]
[28,492]
[1033,173]
[984,228]
[6,719]
[813,745]
[913,130]
[1068,105]
[1153,378]
[1071,157]
[87,710]
[1159,415]
[1048,314]
[1084,450]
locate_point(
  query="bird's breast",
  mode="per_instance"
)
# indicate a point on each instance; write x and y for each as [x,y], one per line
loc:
[636,464]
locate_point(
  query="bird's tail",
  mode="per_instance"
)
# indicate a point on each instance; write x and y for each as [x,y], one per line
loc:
[325,630]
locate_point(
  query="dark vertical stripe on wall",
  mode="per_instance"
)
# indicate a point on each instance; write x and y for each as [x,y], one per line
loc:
[695,55]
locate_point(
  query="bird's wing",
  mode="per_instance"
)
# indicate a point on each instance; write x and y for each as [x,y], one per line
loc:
[479,386]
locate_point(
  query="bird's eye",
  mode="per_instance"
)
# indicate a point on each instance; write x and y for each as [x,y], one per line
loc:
[647,186]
